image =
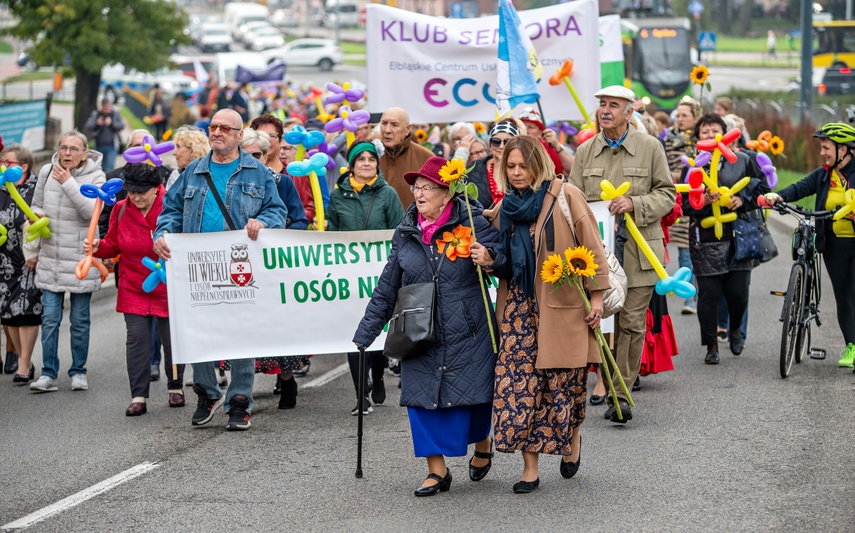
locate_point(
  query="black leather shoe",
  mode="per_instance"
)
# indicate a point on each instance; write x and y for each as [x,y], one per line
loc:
[443,484]
[737,344]
[598,400]
[524,487]
[569,470]
[637,385]
[711,358]
[23,380]
[378,391]
[477,473]
[626,411]
[11,365]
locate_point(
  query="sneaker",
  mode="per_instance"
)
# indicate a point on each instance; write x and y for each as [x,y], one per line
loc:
[690,307]
[238,414]
[366,408]
[721,335]
[222,380]
[206,407]
[44,384]
[847,357]
[79,382]
[395,367]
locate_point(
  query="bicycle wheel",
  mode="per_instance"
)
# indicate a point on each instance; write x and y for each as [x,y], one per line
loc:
[790,318]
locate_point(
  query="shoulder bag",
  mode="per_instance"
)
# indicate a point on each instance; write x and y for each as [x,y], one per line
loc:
[615,296]
[411,328]
[746,239]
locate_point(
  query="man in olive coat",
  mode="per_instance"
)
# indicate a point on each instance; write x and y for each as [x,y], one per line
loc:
[618,154]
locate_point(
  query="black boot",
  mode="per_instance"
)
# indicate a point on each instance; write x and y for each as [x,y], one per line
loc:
[378,367]
[288,398]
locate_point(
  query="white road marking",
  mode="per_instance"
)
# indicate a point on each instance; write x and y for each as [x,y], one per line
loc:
[80,497]
[340,370]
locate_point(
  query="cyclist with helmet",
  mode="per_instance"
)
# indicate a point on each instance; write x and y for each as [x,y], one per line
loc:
[835,239]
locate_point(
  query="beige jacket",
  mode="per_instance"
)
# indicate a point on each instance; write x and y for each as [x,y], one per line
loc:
[641,161]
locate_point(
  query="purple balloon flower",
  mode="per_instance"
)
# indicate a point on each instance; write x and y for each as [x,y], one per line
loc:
[149,151]
[340,94]
[768,169]
[348,120]
[329,149]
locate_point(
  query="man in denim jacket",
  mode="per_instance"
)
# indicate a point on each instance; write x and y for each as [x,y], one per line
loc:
[249,194]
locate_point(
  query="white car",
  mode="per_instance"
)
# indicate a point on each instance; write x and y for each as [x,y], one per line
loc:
[214,37]
[264,38]
[246,30]
[323,53]
[284,18]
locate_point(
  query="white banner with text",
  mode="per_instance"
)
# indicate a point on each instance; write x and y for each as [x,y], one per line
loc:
[444,70]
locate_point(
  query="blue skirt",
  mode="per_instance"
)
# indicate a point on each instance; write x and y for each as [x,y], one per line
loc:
[449,431]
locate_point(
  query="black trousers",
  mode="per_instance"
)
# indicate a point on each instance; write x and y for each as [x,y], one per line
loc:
[374,360]
[734,287]
[139,354]
[840,263]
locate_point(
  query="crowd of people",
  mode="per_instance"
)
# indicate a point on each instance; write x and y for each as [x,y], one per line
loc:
[530,394]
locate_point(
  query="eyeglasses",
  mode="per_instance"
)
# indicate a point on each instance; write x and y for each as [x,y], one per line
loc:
[223,128]
[257,155]
[7,163]
[287,148]
[424,189]
[72,149]
[478,152]
[496,142]
[274,135]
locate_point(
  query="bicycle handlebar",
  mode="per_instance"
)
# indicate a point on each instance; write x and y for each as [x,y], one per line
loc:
[784,207]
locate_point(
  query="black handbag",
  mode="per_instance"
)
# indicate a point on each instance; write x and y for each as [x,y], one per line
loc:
[411,328]
[746,239]
[767,244]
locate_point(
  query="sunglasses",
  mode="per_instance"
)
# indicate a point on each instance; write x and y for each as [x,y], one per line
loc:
[257,155]
[223,128]
[496,142]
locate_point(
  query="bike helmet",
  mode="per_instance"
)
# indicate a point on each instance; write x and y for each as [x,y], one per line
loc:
[837,132]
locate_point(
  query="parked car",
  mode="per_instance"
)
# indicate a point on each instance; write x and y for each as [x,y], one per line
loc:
[323,53]
[246,30]
[26,62]
[284,18]
[214,37]
[264,38]
[838,79]
[187,64]
[171,81]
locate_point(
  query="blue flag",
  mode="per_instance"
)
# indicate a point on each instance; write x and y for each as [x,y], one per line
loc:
[518,68]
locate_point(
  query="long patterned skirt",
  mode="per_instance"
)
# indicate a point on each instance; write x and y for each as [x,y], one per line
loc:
[535,410]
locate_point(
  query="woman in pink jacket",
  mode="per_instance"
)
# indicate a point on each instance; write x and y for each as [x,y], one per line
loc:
[132,222]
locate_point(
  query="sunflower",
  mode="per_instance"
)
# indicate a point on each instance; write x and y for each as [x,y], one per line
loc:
[580,262]
[421,135]
[553,269]
[453,170]
[456,243]
[479,128]
[776,145]
[699,75]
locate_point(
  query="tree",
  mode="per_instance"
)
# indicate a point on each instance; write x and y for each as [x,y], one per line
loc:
[86,35]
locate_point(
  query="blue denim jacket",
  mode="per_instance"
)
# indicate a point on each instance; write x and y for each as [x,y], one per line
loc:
[250,193]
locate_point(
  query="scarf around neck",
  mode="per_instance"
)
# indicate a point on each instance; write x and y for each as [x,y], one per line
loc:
[519,212]
[429,228]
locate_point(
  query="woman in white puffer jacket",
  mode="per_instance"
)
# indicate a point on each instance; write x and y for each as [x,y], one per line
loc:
[58,197]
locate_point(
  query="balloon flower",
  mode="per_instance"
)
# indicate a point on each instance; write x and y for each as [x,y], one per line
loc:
[348,120]
[344,94]
[768,169]
[330,149]
[313,167]
[563,74]
[719,148]
[149,152]
[303,140]
[761,143]
[9,176]
[323,116]
[678,283]
[105,194]
[849,208]
[157,276]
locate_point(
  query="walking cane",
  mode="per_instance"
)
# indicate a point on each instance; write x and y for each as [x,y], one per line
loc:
[361,387]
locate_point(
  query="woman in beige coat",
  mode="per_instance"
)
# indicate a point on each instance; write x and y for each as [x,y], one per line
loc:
[547,340]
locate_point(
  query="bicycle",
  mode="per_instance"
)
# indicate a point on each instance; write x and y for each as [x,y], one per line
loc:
[801,301]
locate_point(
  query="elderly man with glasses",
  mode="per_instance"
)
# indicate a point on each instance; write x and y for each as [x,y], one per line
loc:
[226,172]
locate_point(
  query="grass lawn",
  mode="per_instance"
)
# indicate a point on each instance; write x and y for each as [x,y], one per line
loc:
[786,177]
[5,48]
[730,43]
[133,122]
[352,48]
[30,76]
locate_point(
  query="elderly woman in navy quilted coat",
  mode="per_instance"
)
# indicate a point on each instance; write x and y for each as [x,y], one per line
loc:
[448,390]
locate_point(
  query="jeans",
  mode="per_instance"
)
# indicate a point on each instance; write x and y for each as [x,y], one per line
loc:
[108,163]
[724,319]
[52,303]
[684,259]
[243,377]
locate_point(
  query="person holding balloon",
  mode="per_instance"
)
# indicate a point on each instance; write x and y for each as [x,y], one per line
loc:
[715,267]
[21,302]
[832,184]
[58,198]
[132,222]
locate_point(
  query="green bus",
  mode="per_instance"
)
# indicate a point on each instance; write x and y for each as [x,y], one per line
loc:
[657,59]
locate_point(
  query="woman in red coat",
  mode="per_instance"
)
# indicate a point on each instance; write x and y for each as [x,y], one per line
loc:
[132,222]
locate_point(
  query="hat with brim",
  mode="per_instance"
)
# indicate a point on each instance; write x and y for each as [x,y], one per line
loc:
[616,91]
[141,177]
[430,170]
[530,116]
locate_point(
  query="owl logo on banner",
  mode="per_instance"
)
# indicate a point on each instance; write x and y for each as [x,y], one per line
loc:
[240,268]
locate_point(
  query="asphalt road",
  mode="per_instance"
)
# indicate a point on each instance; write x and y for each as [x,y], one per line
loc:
[731,447]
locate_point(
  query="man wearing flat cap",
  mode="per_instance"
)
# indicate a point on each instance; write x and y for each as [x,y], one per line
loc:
[620,153]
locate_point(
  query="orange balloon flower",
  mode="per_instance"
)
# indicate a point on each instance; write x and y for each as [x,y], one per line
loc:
[456,243]
[565,71]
